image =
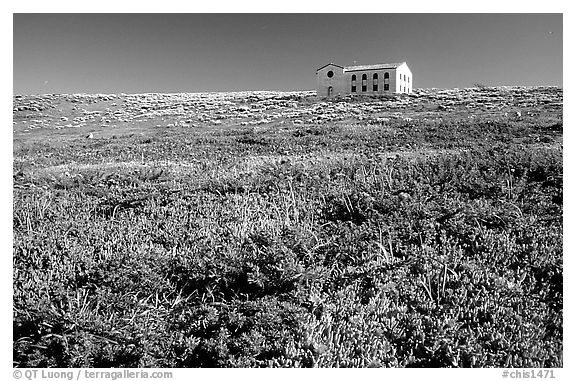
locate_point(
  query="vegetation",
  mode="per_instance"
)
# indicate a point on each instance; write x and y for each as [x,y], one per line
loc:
[428,241]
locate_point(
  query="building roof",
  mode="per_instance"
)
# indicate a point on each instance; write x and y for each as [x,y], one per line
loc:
[333,64]
[374,67]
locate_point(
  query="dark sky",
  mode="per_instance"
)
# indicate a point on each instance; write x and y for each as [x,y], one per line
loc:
[134,53]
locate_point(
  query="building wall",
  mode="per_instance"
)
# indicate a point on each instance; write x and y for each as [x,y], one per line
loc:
[336,82]
[341,82]
[369,87]
[404,79]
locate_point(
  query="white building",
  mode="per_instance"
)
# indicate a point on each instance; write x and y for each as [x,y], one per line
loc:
[386,78]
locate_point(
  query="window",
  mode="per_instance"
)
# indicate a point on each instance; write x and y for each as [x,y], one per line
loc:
[330,74]
[375,82]
[364,82]
[386,81]
[354,83]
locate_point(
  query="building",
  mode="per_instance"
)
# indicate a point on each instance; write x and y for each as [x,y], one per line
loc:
[386,78]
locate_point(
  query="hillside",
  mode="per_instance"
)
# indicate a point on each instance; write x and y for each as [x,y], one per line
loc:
[276,229]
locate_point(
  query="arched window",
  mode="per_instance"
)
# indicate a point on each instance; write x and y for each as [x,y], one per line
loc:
[364,82]
[375,82]
[353,83]
[386,81]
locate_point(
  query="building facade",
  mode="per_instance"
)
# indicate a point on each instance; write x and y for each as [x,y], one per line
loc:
[388,78]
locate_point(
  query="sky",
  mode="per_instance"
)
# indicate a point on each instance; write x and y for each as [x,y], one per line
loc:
[138,53]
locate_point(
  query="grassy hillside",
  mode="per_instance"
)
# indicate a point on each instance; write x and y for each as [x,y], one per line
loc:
[265,229]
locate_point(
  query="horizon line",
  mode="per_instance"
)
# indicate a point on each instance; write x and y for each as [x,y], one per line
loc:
[283,91]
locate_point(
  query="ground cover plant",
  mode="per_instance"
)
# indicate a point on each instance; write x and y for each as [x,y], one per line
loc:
[269,229]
